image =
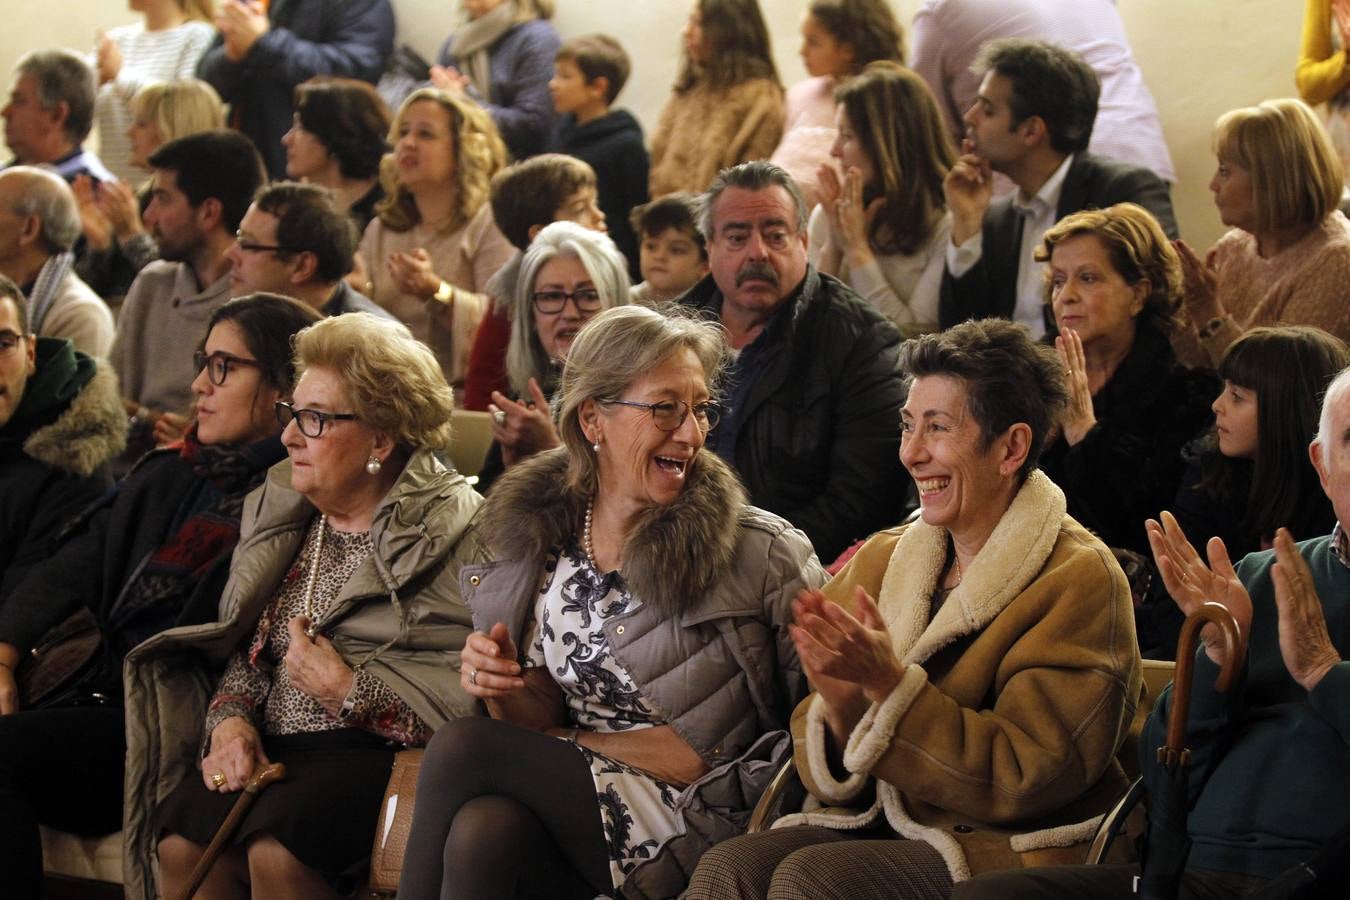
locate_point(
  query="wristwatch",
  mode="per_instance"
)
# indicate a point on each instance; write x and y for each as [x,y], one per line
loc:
[445,294]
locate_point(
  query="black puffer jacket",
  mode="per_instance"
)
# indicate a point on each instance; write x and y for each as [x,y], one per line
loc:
[53,451]
[818,440]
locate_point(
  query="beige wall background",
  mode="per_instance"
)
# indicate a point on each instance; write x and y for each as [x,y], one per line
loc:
[1199,57]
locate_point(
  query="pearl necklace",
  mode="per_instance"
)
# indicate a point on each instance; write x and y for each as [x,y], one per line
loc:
[586,533]
[313,575]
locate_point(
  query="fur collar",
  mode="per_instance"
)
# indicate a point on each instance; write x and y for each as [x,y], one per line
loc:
[92,430]
[675,554]
[1014,554]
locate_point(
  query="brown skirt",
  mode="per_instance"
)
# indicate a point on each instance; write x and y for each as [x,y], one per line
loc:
[324,811]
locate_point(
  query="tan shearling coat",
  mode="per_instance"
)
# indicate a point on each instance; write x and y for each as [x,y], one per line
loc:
[704,130]
[998,745]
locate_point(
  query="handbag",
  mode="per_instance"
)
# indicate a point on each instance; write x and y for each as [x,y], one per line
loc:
[395,822]
[52,673]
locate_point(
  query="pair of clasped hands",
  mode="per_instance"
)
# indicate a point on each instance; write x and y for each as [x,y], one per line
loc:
[314,667]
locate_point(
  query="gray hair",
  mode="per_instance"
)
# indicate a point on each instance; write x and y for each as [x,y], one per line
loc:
[525,356]
[1336,391]
[757,175]
[63,77]
[46,195]
[616,348]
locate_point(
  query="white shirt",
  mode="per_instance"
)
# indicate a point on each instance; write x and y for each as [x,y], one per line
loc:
[1039,212]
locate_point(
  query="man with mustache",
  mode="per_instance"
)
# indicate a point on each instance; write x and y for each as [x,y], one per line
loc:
[812,395]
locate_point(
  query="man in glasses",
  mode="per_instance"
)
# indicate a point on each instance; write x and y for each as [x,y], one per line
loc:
[201,186]
[60,421]
[295,241]
[812,402]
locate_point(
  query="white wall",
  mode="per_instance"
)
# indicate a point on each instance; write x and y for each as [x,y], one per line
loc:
[1200,57]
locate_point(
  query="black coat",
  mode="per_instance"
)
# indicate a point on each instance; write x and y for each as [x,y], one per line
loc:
[989,289]
[818,440]
[107,546]
[1128,467]
[613,147]
[349,38]
[53,454]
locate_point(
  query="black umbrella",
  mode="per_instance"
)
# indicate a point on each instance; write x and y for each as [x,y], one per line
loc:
[1168,842]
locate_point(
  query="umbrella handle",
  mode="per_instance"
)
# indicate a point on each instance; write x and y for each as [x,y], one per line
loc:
[1235,649]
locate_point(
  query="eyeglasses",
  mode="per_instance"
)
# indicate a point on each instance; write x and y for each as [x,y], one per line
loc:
[9,341]
[669,415]
[552,302]
[248,246]
[217,365]
[309,421]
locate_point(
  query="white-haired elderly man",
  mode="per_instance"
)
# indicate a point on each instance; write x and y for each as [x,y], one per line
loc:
[1268,759]
[39,225]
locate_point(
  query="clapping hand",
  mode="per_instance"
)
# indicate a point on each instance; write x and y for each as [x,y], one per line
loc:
[525,428]
[412,273]
[1078,417]
[1305,644]
[241,23]
[108,58]
[850,221]
[488,667]
[1200,293]
[315,668]
[1190,582]
[94,221]
[448,78]
[839,648]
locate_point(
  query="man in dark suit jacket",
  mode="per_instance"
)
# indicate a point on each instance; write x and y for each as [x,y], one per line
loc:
[1031,121]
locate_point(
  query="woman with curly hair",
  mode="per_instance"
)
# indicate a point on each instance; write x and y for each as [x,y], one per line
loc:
[433,246]
[337,140]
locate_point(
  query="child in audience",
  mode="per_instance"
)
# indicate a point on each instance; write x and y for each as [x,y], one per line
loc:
[674,255]
[525,197]
[588,74]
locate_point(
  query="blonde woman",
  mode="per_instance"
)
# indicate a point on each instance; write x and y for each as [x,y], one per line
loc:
[1286,258]
[164,46]
[432,246]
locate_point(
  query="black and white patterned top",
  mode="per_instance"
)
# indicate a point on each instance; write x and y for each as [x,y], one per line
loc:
[637,810]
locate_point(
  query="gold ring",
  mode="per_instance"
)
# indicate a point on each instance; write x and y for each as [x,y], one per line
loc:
[218,779]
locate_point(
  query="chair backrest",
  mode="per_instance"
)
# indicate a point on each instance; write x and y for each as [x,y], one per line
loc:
[471,437]
[1157,675]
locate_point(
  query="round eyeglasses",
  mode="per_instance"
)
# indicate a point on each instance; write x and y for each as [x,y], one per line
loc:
[217,365]
[309,421]
[669,415]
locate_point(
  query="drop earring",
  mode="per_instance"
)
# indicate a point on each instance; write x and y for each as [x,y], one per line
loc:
[373,465]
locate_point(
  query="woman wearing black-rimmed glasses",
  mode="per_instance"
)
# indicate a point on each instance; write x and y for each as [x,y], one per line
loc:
[152,554]
[637,608]
[335,631]
[567,276]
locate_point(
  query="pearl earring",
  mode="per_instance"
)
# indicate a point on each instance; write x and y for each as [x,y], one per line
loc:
[373,465]
[596,446]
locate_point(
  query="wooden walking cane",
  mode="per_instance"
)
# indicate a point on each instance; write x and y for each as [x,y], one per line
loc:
[261,779]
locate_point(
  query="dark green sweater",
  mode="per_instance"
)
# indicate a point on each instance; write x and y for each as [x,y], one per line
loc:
[1269,762]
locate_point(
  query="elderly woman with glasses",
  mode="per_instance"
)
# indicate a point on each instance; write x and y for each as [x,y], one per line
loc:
[340,617]
[568,274]
[631,644]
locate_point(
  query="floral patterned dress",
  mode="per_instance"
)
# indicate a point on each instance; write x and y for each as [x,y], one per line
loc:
[637,810]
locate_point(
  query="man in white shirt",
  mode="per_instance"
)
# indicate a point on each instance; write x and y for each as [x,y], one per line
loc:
[1031,121]
[947,35]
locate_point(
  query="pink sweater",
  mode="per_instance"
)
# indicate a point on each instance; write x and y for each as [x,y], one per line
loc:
[809,133]
[1306,284]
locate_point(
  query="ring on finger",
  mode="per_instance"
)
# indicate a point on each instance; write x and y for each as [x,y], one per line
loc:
[473,677]
[218,779]
[499,417]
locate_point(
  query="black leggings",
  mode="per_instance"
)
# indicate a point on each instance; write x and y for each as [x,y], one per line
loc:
[504,812]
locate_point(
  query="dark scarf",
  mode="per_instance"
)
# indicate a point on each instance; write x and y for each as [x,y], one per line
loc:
[207,528]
